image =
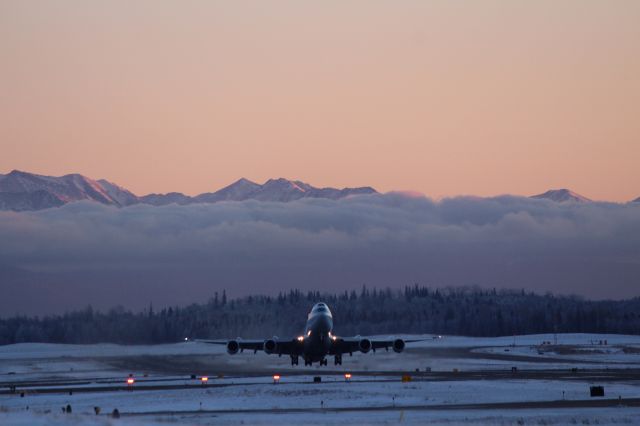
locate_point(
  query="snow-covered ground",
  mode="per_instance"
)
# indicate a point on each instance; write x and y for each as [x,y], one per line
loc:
[329,394]
[85,367]
[52,350]
[528,340]
[586,416]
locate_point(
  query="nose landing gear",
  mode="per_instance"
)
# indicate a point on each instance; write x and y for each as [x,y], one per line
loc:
[309,361]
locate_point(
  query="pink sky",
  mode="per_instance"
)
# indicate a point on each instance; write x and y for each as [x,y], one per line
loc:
[442,97]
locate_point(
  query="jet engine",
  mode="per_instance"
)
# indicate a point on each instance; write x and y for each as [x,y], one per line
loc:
[364,345]
[270,346]
[233,347]
[398,345]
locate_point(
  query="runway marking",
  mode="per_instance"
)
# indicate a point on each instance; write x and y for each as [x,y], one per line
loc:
[560,404]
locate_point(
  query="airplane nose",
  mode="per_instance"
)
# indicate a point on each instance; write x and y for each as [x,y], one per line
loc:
[325,324]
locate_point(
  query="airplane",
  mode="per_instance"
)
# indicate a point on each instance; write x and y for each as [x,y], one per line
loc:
[315,344]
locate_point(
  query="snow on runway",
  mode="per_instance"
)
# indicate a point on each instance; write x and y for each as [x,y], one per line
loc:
[95,375]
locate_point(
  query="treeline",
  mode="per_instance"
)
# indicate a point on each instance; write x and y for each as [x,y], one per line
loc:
[415,310]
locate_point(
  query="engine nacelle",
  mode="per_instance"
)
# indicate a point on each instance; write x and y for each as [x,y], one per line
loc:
[398,345]
[270,346]
[364,345]
[233,347]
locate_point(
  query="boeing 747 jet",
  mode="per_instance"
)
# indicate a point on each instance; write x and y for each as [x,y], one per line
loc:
[316,344]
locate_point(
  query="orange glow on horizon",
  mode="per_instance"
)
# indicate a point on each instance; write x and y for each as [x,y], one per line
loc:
[435,97]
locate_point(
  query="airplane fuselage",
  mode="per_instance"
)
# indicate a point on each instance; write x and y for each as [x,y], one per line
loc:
[317,338]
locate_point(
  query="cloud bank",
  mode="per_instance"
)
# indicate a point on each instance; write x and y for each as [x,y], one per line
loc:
[84,253]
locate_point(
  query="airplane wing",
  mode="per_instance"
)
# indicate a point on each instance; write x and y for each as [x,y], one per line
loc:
[345,346]
[252,345]
[270,346]
[362,344]
[379,344]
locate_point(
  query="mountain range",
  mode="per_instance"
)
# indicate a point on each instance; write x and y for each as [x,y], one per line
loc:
[21,191]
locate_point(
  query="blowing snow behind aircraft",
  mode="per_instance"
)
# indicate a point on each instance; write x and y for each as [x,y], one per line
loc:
[316,343]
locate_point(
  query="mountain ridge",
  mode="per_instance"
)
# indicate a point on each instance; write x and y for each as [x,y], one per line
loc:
[21,191]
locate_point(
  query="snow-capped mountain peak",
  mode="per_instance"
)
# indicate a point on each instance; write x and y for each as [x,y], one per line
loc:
[239,190]
[118,194]
[562,195]
[23,186]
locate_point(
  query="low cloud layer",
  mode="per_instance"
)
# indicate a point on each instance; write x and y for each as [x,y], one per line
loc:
[85,253]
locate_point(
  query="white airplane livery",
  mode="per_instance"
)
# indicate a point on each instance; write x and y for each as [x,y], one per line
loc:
[316,344]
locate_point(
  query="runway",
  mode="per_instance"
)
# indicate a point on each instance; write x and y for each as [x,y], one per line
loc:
[444,379]
[171,383]
[585,403]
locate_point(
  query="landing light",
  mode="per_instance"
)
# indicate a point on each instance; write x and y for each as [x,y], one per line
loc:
[276,378]
[309,333]
[130,381]
[347,376]
[300,339]
[204,379]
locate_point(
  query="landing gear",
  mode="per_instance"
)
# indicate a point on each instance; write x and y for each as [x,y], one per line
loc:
[323,361]
[337,360]
[308,362]
[294,359]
